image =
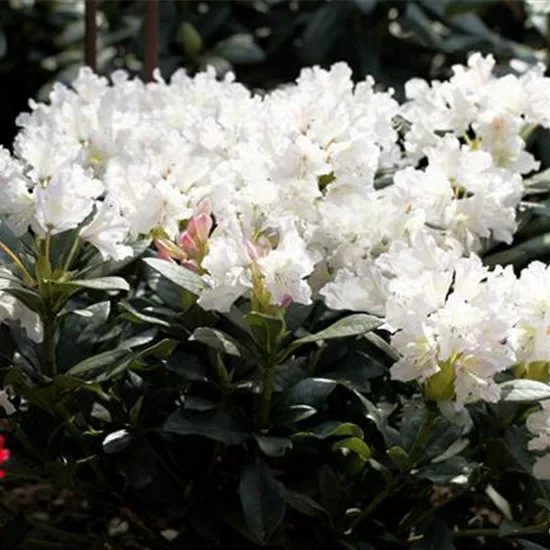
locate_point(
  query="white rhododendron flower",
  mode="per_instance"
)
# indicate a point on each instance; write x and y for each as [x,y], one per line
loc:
[307,192]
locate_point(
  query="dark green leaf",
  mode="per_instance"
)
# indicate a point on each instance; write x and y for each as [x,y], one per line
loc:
[456,470]
[400,458]
[216,425]
[267,330]
[331,428]
[529,545]
[262,499]
[303,503]
[274,447]
[240,49]
[355,445]
[330,489]
[324,28]
[12,534]
[180,276]
[437,536]
[101,283]
[117,442]
[217,340]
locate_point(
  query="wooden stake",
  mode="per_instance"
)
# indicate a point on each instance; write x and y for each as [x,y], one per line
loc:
[90,40]
[151,38]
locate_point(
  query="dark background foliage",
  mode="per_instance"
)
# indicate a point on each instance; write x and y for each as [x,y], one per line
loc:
[265,42]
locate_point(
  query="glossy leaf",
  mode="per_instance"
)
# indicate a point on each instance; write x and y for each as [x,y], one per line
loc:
[262,498]
[216,425]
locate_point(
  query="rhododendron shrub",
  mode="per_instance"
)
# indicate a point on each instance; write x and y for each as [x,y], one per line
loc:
[288,320]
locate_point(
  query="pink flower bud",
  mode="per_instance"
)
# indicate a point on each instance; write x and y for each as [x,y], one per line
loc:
[192,265]
[187,243]
[164,253]
[287,300]
[251,251]
[199,227]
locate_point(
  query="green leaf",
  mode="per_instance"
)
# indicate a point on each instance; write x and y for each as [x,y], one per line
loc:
[303,503]
[13,532]
[457,470]
[437,536]
[330,489]
[540,180]
[27,297]
[189,39]
[267,330]
[353,325]
[240,49]
[400,458]
[190,367]
[366,6]
[295,413]
[529,545]
[180,276]
[274,447]
[331,429]
[356,445]
[111,359]
[324,28]
[216,425]
[311,391]
[217,340]
[455,448]
[416,20]
[522,253]
[262,498]
[524,391]
[116,442]
[101,283]
[132,314]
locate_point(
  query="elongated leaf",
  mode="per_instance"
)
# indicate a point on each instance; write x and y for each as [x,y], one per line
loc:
[216,425]
[354,325]
[274,447]
[177,274]
[436,536]
[524,391]
[217,340]
[522,253]
[101,283]
[323,30]
[116,442]
[355,445]
[27,297]
[331,429]
[267,330]
[262,499]
[110,359]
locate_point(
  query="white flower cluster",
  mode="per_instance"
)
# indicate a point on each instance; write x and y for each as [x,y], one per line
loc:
[279,198]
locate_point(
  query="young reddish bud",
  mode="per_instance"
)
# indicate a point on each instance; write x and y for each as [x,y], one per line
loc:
[287,300]
[192,265]
[199,227]
[188,244]
[4,455]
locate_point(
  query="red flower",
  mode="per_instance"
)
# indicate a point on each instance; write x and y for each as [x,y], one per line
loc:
[4,456]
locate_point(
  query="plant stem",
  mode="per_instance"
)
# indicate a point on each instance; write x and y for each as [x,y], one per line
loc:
[72,254]
[530,530]
[267,392]
[50,360]
[374,504]
[421,437]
